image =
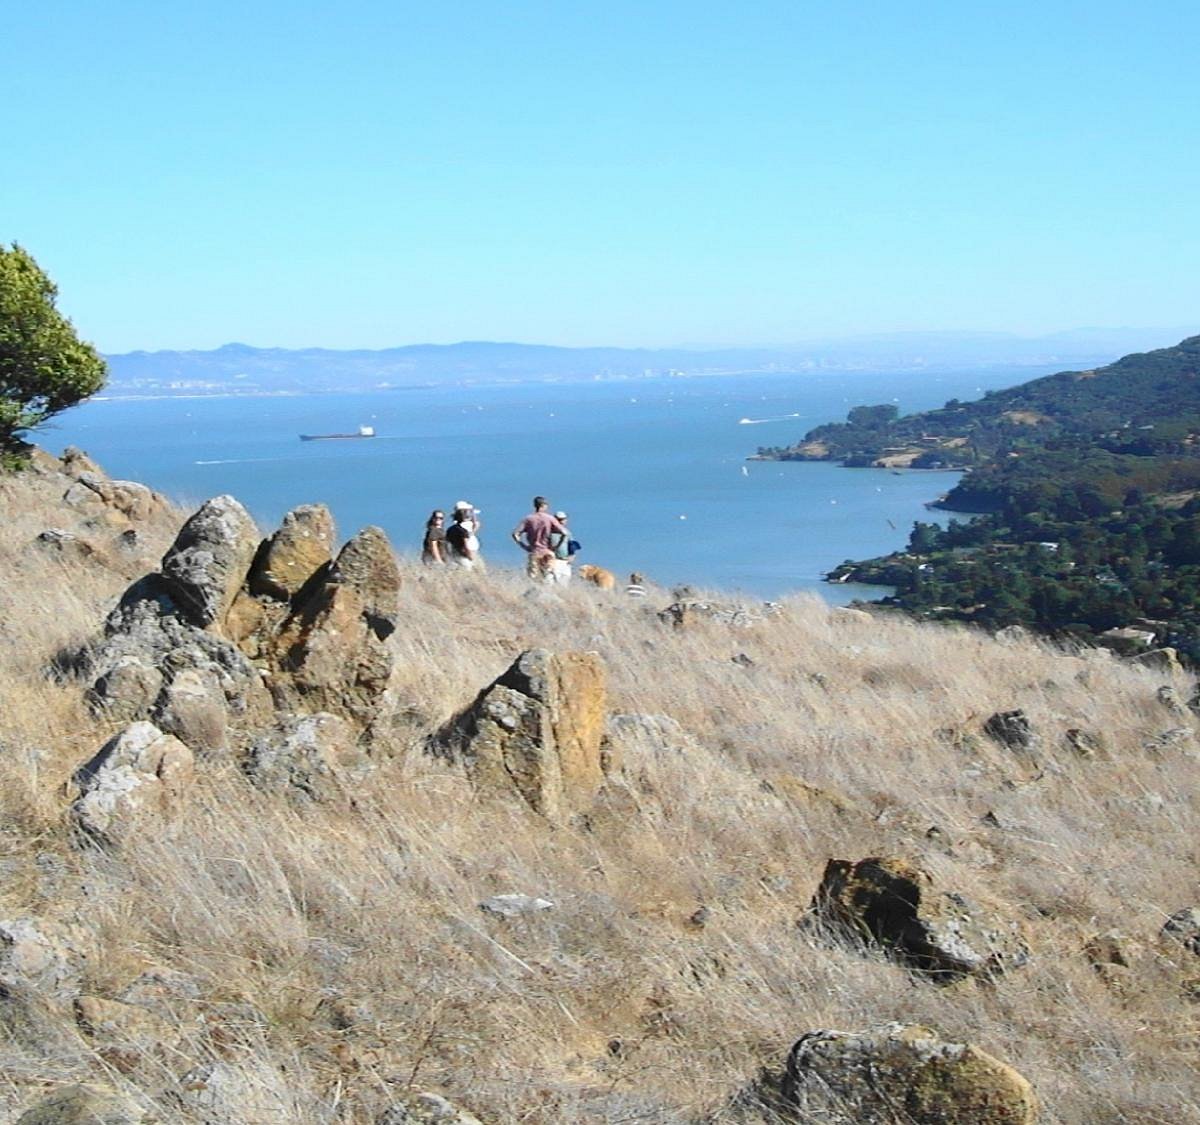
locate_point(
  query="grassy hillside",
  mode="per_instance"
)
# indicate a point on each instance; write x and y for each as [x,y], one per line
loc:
[1145,404]
[335,955]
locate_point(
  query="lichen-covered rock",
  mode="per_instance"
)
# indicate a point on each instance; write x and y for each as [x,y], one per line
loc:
[34,957]
[893,903]
[367,565]
[331,653]
[147,639]
[209,560]
[126,688]
[136,779]
[900,1073]
[425,1109]
[299,549]
[537,730]
[315,756]
[192,707]
[84,1105]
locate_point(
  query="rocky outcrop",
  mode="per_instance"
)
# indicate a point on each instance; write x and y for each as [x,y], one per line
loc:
[85,1105]
[181,646]
[128,498]
[148,642]
[208,562]
[330,653]
[136,780]
[892,903]
[295,554]
[900,1073]
[312,756]
[75,463]
[537,730]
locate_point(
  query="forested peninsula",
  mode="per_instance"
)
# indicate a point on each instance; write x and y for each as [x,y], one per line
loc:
[1086,487]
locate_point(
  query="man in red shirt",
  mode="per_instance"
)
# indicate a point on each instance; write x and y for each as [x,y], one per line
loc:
[532,535]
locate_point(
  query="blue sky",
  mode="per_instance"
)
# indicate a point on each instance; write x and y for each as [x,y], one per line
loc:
[369,174]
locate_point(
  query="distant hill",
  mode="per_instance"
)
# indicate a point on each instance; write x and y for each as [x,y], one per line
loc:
[1089,482]
[1147,403]
[251,370]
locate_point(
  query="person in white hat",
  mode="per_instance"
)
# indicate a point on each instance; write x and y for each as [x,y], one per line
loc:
[472,524]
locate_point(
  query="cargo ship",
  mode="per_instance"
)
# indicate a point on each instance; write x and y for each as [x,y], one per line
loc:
[363,432]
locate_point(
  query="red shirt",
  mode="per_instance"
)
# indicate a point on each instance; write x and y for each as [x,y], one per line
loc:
[536,529]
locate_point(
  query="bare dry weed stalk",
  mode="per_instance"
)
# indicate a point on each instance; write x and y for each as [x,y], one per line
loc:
[339,954]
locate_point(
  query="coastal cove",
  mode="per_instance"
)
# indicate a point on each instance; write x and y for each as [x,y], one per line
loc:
[654,471]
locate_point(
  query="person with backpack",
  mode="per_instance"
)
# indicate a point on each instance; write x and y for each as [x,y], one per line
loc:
[565,549]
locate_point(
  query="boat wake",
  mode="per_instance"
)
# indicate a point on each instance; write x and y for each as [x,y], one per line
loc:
[760,421]
[239,461]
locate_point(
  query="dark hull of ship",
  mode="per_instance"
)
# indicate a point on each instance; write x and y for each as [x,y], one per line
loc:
[335,437]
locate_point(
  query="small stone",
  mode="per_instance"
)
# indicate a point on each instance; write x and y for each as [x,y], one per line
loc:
[514,906]
[1086,744]
[425,1109]
[1184,927]
[1011,729]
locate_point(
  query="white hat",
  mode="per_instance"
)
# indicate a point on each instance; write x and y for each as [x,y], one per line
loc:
[458,507]
[560,515]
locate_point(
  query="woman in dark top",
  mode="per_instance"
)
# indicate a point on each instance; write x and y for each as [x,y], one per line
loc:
[433,550]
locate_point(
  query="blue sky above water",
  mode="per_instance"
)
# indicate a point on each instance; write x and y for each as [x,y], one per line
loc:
[375,174]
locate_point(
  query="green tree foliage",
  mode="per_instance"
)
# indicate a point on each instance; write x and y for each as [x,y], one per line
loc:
[44,366]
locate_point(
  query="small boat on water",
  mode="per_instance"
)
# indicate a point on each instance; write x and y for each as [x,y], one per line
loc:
[363,432]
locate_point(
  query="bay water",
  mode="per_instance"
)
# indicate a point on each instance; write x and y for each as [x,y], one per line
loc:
[652,471]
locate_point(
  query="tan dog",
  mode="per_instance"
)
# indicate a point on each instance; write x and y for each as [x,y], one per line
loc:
[598,576]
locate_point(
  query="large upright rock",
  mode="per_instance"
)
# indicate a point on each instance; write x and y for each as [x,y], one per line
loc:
[331,652]
[537,730]
[302,547]
[367,565]
[893,903]
[137,778]
[900,1073]
[208,562]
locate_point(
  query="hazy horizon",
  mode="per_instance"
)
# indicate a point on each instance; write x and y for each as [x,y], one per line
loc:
[1169,335]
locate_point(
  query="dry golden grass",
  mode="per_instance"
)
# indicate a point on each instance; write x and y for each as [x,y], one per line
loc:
[339,953]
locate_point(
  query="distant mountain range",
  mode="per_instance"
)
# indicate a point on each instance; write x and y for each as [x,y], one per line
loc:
[239,368]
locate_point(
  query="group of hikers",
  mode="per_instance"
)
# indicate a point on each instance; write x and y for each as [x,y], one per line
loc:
[542,535]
